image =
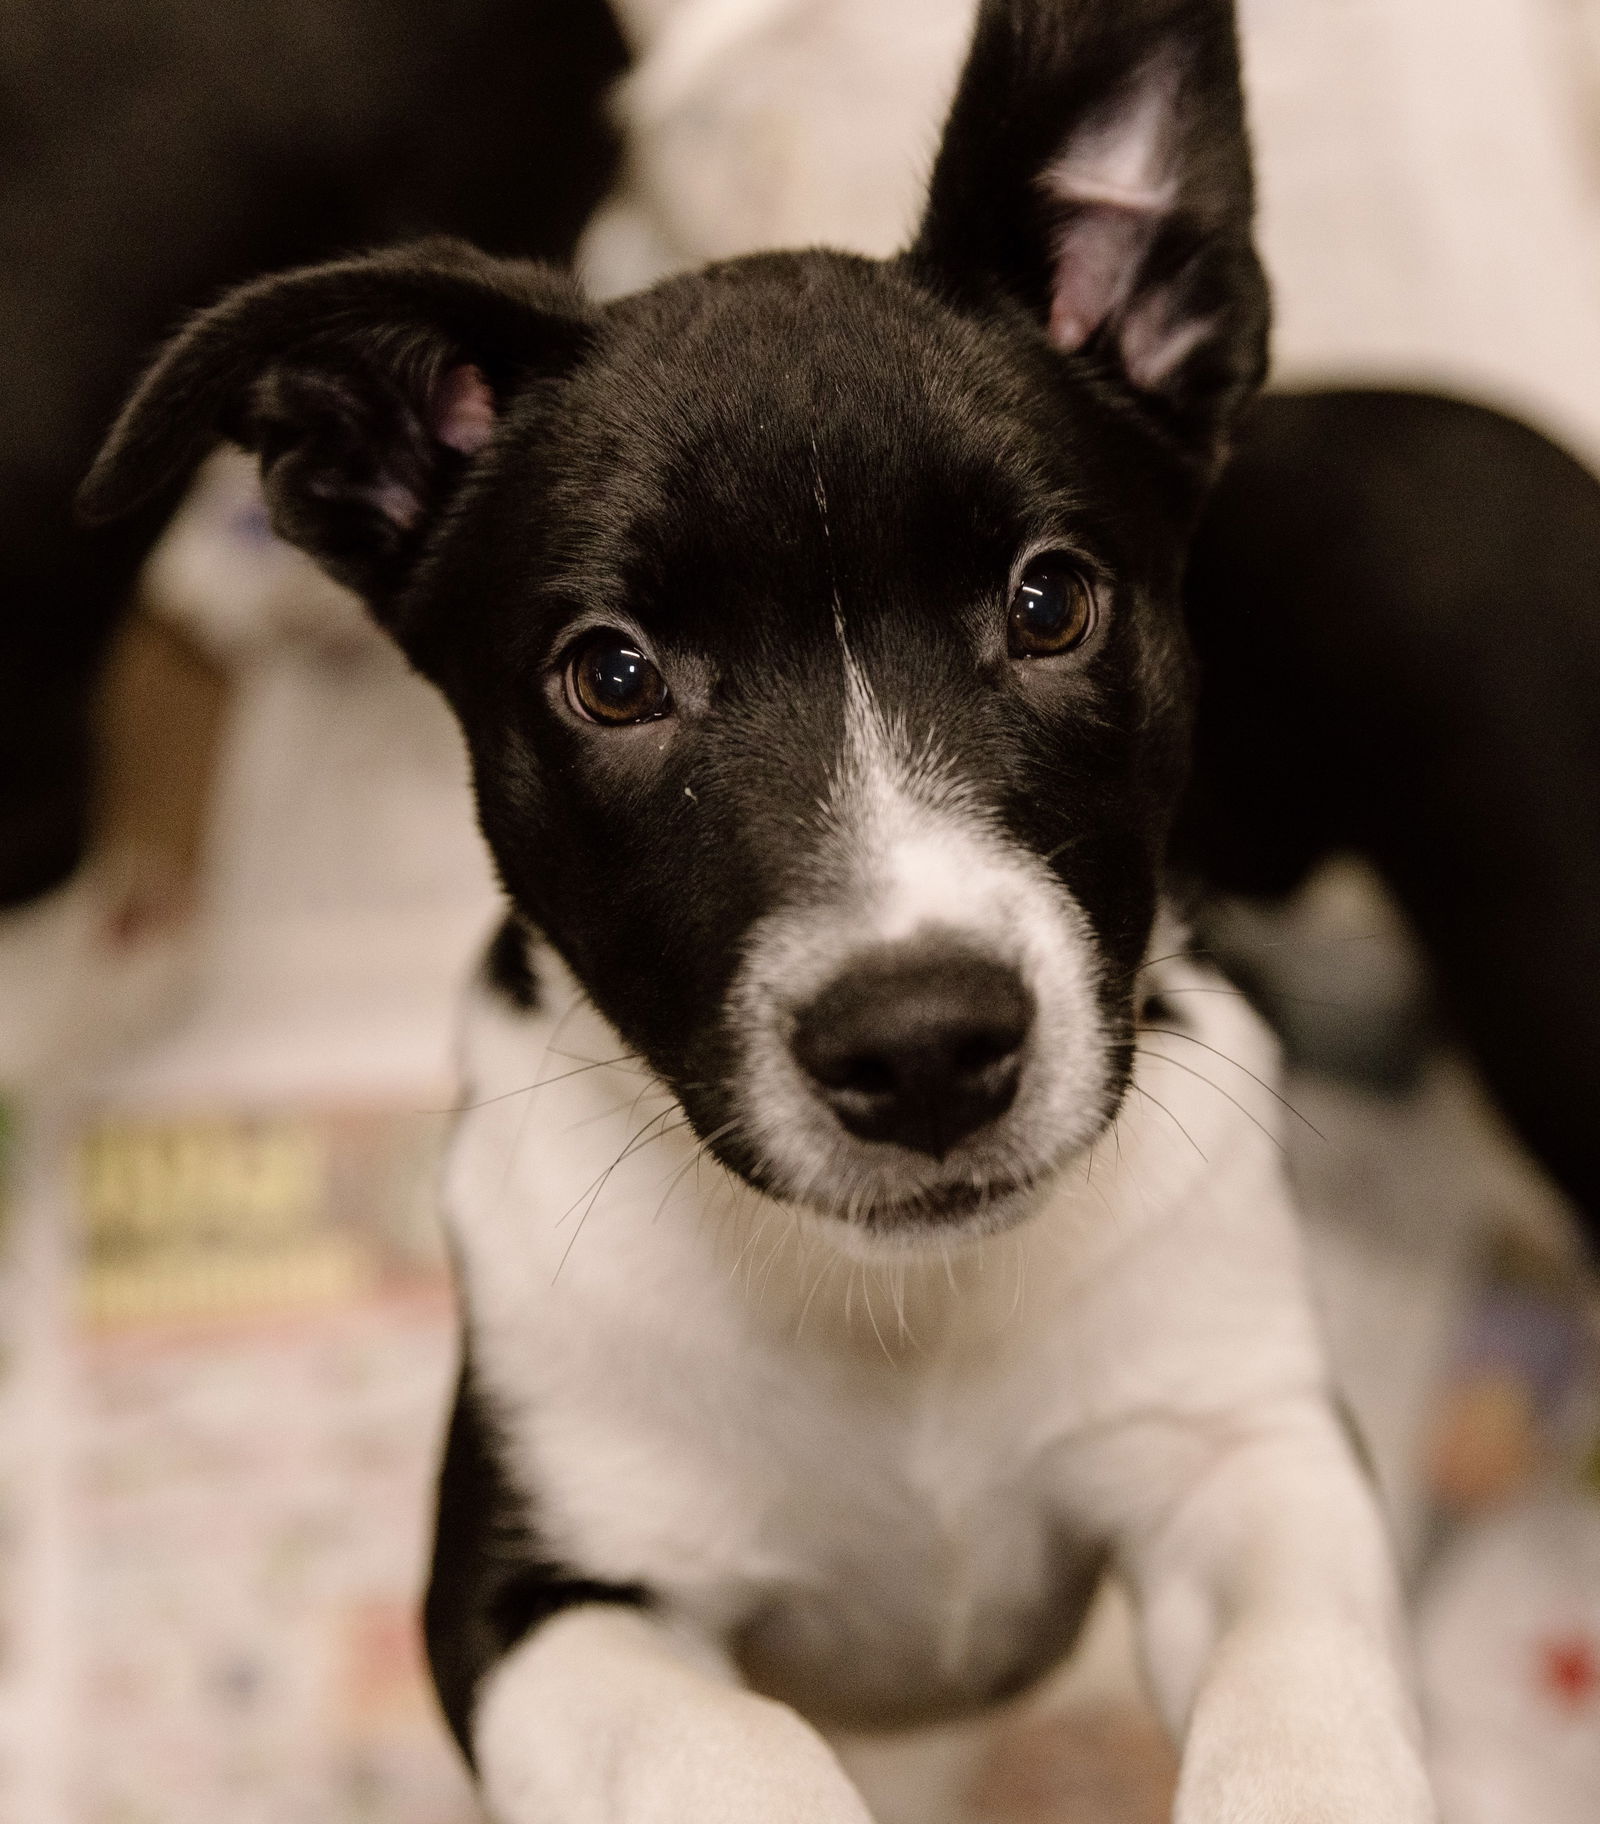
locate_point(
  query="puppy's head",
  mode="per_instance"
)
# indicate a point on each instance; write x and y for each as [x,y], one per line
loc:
[812,621]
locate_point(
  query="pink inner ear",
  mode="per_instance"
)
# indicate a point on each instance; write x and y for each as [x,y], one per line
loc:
[1096,256]
[463,410]
[1115,178]
[1155,344]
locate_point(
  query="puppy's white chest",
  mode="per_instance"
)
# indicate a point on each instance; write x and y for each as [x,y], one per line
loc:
[869,1546]
[879,1529]
[916,1595]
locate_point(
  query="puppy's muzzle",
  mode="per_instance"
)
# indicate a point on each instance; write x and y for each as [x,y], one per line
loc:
[917,1045]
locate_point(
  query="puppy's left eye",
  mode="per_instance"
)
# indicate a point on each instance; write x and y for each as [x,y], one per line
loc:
[1052,611]
[610,680]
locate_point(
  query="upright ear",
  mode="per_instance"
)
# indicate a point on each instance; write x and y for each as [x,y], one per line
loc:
[1096,170]
[365,386]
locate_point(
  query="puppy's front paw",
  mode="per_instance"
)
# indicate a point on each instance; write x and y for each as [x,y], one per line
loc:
[740,1760]
[1272,1780]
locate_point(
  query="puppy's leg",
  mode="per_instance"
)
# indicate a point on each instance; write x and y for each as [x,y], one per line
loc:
[1270,1627]
[920,1776]
[608,1716]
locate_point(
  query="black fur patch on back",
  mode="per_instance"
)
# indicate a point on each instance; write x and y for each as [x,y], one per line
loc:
[506,967]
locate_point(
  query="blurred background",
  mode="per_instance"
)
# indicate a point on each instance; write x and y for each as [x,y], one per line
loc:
[242,883]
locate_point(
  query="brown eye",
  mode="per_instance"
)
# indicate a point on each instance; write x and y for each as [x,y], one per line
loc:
[610,680]
[1052,611]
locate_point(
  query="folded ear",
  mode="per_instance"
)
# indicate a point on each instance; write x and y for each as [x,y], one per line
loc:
[365,386]
[1096,170]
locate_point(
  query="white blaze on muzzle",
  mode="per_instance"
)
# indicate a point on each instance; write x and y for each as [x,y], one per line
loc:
[910,857]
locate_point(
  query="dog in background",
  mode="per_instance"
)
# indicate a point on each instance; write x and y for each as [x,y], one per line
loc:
[153,153]
[875,1273]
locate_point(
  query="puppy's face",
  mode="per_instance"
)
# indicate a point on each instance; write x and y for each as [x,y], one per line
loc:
[817,652]
[812,621]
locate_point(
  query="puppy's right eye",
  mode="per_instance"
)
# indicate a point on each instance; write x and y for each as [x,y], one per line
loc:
[610,680]
[1053,610]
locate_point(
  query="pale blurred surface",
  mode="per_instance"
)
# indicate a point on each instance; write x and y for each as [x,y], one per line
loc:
[228,1338]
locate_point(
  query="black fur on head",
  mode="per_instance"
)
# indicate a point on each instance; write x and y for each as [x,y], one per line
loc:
[806,493]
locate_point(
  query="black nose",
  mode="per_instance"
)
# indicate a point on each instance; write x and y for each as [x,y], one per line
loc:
[917,1045]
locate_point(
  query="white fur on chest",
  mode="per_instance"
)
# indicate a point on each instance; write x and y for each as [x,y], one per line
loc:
[900,1468]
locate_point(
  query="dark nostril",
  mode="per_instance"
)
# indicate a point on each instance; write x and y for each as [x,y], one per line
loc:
[862,1072]
[917,1044]
[976,1054]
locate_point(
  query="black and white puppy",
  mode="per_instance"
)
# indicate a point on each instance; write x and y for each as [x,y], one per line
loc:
[848,1279]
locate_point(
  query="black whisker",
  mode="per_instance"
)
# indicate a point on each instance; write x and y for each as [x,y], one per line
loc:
[633,1146]
[466,1108]
[627,1057]
[1275,994]
[597,1184]
[1172,1032]
[1170,1116]
[693,1160]
[1177,1064]
[1172,956]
